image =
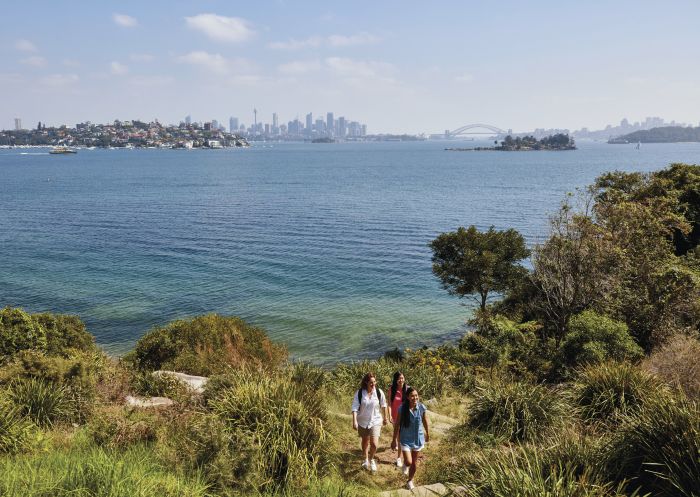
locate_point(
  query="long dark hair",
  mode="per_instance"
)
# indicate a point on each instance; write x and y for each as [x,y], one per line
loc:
[395,385]
[406,408]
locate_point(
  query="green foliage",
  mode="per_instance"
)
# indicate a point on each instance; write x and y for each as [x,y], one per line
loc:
[18,331]
[593,339]
[158,385]
[522,472]
[604,392]
[95,473]
[468,261]
[285,422]
[658,449]
[121,428]
[15,429]
[516,411]
[64,333]
[43,402]
[206,345]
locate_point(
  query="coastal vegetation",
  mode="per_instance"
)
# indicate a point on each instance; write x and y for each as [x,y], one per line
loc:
[559,141]
[664,134]
[578,378]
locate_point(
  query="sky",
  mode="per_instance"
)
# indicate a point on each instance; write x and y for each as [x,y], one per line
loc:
[398,66]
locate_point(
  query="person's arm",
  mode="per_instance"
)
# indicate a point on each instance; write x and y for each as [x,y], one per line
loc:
[382,407]
[426,425]
[388,408]
[355,408]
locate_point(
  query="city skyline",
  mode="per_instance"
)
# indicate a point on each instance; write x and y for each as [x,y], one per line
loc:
[404,68]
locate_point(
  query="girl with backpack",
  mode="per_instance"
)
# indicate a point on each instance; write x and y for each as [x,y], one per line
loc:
[411,432]
[395,395]
[368,417]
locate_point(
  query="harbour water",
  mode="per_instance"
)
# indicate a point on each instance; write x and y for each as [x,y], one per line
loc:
[323,245]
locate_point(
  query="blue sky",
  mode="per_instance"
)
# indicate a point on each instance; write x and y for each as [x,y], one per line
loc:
[395,65]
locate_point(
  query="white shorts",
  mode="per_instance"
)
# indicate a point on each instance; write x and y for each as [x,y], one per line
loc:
[406,448]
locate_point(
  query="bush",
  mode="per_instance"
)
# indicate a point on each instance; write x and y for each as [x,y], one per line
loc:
[515,411]
[593,339]
[522,472]
[158,385]
[658,449]
[605,392]
[65,333]
[206,345]
[15,429]
[285,422]
[94,472]
[19,331]
[678,363]
[43,402]
[122,428]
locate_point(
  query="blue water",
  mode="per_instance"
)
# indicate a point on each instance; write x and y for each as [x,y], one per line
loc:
[324,245]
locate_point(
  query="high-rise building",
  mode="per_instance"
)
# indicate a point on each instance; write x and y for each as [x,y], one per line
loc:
[275,120]
[342,127]
[309,123]
[18,123]
[188,120]
[320,126]
[214,124]
[233,124]
[330,124]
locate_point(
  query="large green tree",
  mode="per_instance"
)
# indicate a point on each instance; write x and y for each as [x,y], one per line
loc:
[473,263]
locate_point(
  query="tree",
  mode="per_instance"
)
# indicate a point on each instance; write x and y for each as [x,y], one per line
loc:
[469,262]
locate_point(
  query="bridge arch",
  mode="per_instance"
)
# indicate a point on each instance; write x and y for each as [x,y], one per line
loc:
[472,129]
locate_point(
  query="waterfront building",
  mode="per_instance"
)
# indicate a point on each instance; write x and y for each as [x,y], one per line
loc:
[275,120]
[342,127]
[330,123]
[233,124]
[18,123]
[188,120]
[309,124]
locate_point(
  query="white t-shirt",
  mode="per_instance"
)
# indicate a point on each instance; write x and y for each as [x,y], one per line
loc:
[368,413]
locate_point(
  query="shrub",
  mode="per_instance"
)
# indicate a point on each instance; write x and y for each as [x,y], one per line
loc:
[346,377]
[286,422]
[158,385]
[606,391]
[19,331]
[94,472]
[522,472]
[678,363]
[658,449]
[15,429]
[206,345]
[594,338]
[65,333]
[122,428]
[43,402]
[515,411]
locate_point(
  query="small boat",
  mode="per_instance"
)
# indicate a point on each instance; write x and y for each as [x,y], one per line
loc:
[62,150]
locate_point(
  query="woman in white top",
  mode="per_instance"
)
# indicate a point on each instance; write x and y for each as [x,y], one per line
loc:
[368,417]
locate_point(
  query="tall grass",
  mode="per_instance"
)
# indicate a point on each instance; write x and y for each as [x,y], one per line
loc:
[516,411]
[605,392]
[285,421]
[15,429]
[522,472]
[42,401]
[94,473]
[659,449]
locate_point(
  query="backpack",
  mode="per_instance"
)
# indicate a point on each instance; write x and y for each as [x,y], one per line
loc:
[380,395]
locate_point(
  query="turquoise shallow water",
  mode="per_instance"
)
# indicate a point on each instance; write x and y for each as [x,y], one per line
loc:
[323,245]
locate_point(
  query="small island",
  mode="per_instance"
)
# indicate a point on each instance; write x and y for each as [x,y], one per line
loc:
[664,134]
[560,141]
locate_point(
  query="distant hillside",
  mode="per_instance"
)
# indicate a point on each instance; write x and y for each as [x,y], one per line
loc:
[666,134]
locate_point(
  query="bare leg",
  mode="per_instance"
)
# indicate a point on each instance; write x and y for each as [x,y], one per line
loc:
[408,462]
[414,464]
[373,442]
[365,446]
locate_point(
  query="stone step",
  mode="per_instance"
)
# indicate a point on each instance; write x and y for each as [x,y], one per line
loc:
[433,490]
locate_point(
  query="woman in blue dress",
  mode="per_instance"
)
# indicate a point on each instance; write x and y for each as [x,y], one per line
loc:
[411,432]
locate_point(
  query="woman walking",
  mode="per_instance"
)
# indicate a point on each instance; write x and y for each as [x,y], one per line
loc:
[368,417]
[411,432]
[396,394]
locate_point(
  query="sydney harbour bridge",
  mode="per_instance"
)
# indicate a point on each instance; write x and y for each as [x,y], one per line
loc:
[477,129]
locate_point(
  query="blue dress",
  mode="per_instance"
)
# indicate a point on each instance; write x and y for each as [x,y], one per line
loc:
[412,436]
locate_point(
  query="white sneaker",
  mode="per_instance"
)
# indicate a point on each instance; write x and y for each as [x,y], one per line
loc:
[373,466]
[405,470]
[399,463]
[365,465]
[410,485]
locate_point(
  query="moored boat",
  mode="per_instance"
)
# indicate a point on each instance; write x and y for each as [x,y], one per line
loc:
[62,150]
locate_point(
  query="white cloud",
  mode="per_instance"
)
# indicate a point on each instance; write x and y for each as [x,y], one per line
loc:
[71,63]
[141,57]
[56,80]
[217,63]
[151,81]
[352,40]
[464,78]
[313,42]
[118,69]
[353,68]
[220,28]
[335,41]
[34,60]
[124,21]
[25,46]
[299,67]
